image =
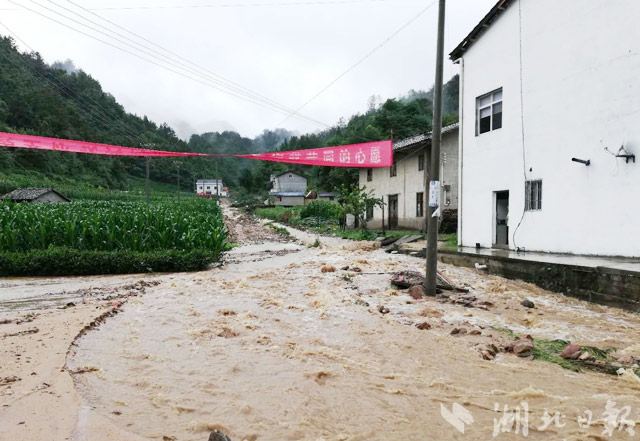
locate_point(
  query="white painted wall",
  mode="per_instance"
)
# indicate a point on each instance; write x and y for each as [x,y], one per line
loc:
[409,181]
[580,70]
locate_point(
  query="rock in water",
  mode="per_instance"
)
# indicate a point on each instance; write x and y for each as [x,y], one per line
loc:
[218,436]
[571,352]
[523,347]
[527,303]
[417,292]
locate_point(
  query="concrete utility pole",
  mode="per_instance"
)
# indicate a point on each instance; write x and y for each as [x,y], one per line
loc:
[434,165]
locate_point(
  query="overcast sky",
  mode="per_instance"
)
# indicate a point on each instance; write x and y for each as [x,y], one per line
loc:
[284,50]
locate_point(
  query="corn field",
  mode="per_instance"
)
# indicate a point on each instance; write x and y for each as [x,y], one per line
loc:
[111,226]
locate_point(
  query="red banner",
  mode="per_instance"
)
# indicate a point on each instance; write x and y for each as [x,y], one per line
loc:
[369,155]
[67,145]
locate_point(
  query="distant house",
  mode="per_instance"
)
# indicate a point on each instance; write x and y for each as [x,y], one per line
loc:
[211,187]
[288,190]
[402,185]
[35,195]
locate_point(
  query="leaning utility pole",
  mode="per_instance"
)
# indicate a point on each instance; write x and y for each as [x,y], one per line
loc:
[433,187]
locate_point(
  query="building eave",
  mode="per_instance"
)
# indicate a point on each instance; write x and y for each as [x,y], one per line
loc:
[421,139]
[480,28]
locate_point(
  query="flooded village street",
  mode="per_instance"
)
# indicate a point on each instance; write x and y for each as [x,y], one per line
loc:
[287,341]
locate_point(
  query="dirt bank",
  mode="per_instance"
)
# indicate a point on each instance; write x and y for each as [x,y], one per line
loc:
[271,347]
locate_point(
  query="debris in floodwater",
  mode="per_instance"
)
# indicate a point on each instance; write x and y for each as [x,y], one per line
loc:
[84,370]
[328,269]
[226,312]
[571,352]
[523,347]
[527,303]
[383,309]
[218,436]
[8,380]
[423,326]
[417,292]
[28,331]
[319,377]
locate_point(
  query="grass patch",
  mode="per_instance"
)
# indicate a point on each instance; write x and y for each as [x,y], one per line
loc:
[279,230]
[450,241]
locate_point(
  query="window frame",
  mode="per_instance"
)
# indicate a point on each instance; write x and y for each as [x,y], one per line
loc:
[393,171]
[492,103]
[369,212]
[369,174]
[421,162]
[420,204]
[533,202]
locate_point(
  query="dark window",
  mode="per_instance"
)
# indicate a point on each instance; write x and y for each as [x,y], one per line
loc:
[420,162]
[489,112]
[419,204]
[369,211]
[394,170]
[533,195]
[369,174]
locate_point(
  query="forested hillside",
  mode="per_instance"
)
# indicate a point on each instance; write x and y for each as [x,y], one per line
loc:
[61,101]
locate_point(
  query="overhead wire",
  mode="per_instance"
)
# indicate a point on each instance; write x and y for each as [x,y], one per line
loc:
[360,61]
[99,112]
[219,79]
[245,98]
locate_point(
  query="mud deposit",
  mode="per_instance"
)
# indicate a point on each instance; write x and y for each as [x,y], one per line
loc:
[270,347]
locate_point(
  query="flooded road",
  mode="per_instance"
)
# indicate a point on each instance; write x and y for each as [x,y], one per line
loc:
[281,343]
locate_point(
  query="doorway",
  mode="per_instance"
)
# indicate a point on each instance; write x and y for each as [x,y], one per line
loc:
[393,211]
[502,219]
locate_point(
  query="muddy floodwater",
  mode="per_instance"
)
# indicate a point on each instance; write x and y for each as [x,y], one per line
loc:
[270,347]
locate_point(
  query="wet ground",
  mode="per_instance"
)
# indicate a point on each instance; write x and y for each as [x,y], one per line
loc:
[281,343]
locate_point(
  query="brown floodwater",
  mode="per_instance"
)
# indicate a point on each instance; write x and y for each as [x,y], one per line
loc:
[268,347]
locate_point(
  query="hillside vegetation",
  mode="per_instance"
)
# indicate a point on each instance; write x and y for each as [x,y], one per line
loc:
[61,101]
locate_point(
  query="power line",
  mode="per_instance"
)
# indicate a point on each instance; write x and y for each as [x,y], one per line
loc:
[171,62]
[217,78]
[244,5]
[361,60]
[248,99]
[105,116]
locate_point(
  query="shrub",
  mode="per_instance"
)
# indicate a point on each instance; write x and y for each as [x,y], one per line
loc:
[64,261]
[322,210]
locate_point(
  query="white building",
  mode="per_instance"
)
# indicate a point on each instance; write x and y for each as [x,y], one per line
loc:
[402,186]
[211,187]
[543,82]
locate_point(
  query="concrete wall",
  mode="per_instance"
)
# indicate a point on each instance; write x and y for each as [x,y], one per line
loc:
[409,181]
[50,197]
[290,182]
[580,69]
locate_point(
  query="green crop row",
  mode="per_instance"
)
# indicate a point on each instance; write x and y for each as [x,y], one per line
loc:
[192,224]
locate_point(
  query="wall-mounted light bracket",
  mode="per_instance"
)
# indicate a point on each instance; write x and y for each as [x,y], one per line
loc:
[586,162]
[626,157]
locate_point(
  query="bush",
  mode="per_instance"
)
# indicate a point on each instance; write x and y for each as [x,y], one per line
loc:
[449,222]
[322,210]
[67,262]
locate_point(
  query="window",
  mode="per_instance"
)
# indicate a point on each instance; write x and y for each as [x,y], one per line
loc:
[489,112]
[394,170]
[369,174]
[419,204]
[420,162]
[369,211]
[533,195]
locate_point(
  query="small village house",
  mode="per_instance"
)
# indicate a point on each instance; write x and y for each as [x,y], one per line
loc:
[549,111]
[402,185]
[289,189]
[35,195]
[211,187]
